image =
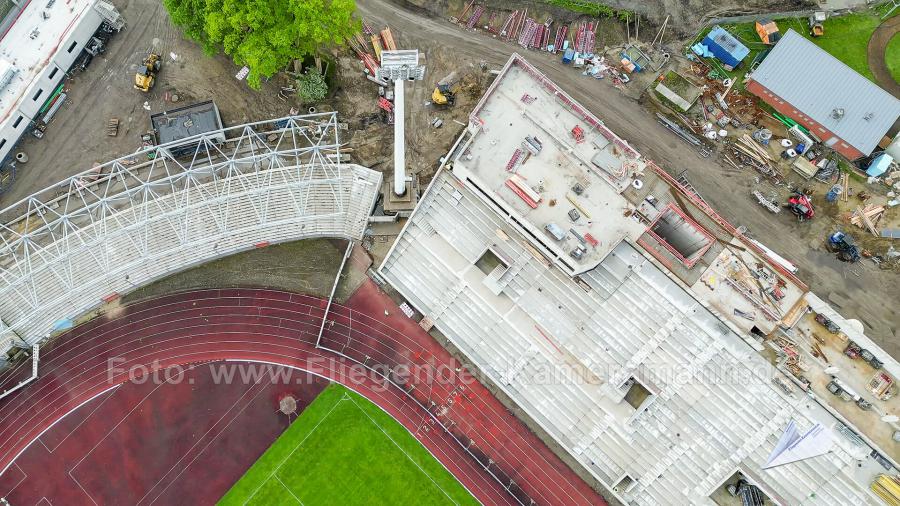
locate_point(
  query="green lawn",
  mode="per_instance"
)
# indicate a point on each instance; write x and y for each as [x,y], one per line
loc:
[892,57]
[846,38]
[345,450]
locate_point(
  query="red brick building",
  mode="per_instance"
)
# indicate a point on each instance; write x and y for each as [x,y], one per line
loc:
[841,108]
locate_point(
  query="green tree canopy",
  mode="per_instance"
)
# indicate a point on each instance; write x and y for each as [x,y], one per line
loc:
[264,34]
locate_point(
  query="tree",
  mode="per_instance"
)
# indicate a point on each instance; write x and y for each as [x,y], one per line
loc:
[265,35]
[311,87]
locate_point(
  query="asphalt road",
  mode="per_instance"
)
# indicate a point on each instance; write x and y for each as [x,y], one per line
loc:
[861,292]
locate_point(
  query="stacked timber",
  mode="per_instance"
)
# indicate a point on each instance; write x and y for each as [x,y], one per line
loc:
[868,217]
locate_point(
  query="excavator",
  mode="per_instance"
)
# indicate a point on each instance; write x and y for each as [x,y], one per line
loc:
[145,77]
[444,93]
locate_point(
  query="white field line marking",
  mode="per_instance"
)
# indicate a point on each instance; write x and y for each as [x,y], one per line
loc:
[336,404]
[288,490]
[408,456]
[208,443]
[82,488]
[113,429]
[53,424]
[99,405]
[24,477]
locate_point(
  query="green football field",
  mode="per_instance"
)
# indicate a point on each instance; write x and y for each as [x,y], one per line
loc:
[345,450]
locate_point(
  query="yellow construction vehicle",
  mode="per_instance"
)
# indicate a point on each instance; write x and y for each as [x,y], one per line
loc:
[816,26]
[145,78]
[445,91]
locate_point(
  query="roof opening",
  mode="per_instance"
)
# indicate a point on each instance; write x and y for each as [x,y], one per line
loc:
[488,262]
[637,394]
[739,491]
[681,235]
[624,484]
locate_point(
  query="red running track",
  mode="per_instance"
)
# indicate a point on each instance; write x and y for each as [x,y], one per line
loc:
[490,451]
[205,435]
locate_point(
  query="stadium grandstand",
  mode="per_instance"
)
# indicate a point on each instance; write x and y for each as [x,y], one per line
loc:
[128,222]
[624,315]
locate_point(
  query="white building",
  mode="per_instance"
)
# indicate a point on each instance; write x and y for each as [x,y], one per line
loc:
[624,316]
[42,39]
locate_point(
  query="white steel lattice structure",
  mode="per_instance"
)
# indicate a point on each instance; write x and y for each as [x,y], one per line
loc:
[126,223]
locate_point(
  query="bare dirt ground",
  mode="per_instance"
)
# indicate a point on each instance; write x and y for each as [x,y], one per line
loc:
[863,292]
[685,16]
[307,267]
[76,138]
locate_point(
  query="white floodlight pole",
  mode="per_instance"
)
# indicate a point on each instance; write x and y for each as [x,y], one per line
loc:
[399,66]
[399,139]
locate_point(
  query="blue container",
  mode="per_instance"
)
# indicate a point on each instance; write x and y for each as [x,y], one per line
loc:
[568,56]
[725,47]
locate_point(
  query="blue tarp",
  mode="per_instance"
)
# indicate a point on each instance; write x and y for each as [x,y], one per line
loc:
[701,50]
[879,165]
[63,324]
[637,66]
[725,47]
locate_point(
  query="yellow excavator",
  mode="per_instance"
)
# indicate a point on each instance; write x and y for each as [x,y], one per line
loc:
[145,78]
[444,93]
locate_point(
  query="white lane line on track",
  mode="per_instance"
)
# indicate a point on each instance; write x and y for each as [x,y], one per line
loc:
[408,456]
[514,443]
[54,423]
[316,427]
[101,403]
[208,443]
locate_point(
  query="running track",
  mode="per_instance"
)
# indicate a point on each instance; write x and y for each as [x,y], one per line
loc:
[491,452]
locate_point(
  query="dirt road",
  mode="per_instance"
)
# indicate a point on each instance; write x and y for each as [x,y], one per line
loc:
[76,138]
[861,291]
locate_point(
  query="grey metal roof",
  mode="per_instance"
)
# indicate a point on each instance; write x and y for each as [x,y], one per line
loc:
[817,84]
[183,122]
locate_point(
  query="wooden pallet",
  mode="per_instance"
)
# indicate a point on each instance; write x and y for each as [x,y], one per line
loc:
[112,128]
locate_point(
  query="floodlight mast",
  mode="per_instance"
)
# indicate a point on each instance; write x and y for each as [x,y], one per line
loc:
[399,66]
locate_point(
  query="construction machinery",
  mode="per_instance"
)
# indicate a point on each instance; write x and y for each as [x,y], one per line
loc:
[145,77]
[816,24]
[801,205]
[444,93]
[844,246]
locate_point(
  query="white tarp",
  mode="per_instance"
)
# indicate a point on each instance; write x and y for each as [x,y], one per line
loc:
[793,447]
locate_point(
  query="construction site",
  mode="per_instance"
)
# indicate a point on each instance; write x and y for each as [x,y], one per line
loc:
[592,264]
[676,267]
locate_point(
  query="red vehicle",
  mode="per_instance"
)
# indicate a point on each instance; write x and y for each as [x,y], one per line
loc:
[801,205]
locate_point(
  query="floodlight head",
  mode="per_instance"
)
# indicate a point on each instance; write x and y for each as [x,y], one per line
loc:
[401,64]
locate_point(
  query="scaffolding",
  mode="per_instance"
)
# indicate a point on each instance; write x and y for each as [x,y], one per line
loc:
[70,247]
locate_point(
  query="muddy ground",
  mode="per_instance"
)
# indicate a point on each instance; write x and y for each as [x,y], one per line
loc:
[685,16]
[76,138]
[307,267]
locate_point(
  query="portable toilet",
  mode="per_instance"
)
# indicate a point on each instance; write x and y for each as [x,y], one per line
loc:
[767,31]
[568,56]
[725,47]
